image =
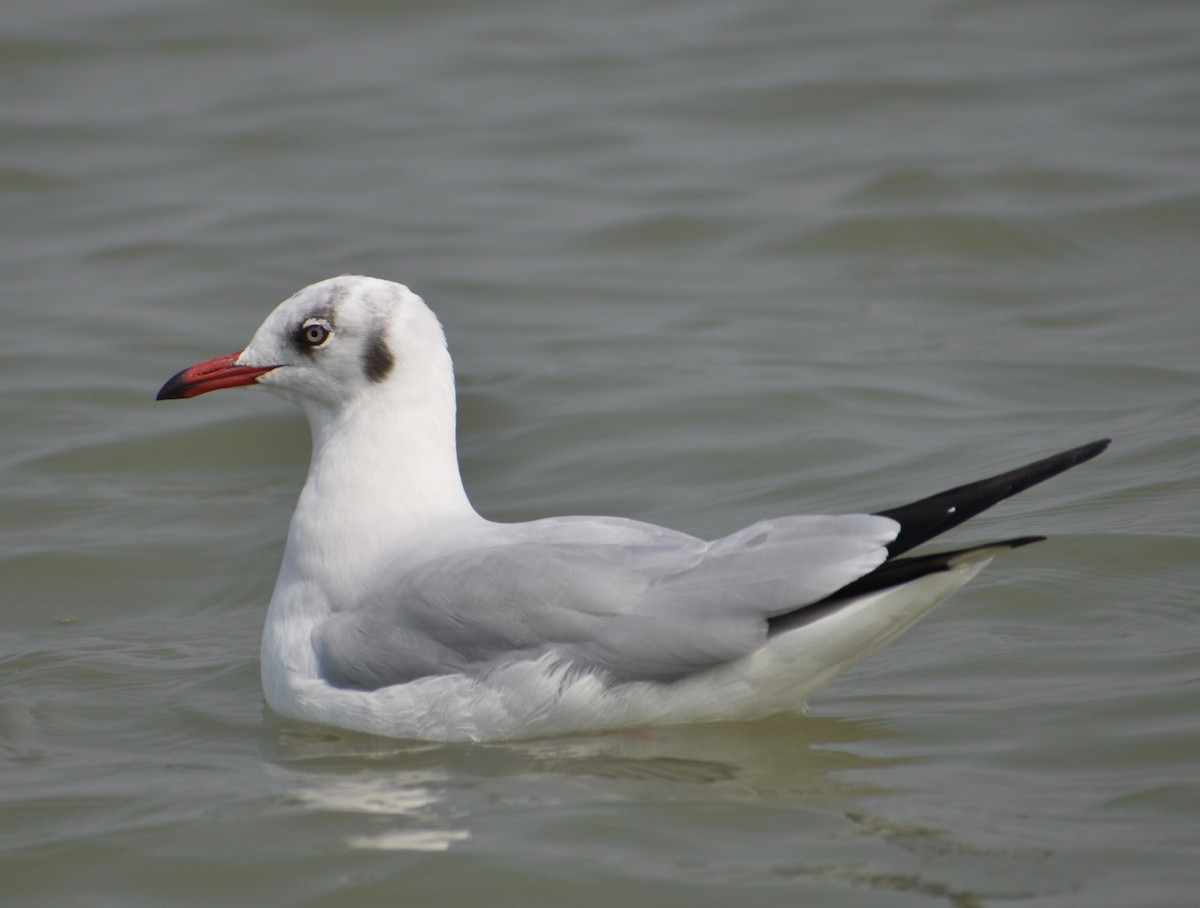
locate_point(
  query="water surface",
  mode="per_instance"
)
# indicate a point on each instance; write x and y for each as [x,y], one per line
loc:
[699,263]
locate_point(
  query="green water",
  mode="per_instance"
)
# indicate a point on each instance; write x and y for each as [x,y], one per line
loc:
[699,263]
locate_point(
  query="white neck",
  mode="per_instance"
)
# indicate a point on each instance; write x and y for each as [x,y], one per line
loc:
[382,483]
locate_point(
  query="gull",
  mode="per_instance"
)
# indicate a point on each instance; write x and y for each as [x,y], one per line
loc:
[400,611]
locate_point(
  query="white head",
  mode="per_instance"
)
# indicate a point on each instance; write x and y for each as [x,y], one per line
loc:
[367,361]
[333,343]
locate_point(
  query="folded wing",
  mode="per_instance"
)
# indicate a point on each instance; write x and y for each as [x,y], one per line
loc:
[627,612]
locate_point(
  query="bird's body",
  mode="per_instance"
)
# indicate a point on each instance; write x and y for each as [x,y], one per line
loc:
[400,611]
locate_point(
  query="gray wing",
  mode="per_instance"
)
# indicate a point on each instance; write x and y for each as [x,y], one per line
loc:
[652,607]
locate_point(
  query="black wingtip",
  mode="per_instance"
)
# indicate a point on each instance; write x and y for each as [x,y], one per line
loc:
[929,517]
[1024,540]
[892,573]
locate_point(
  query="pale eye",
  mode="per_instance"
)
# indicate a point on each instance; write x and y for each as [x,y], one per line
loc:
[314,333]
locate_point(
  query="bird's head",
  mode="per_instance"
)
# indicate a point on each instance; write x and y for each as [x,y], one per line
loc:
[329,345]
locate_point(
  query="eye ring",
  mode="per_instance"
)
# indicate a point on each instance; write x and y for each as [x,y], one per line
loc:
[315,332]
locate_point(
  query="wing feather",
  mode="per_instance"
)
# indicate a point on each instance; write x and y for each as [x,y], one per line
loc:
[660,608]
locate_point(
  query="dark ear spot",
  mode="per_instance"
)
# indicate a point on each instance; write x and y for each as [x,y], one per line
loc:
[378,360]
